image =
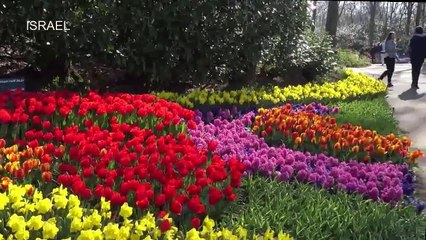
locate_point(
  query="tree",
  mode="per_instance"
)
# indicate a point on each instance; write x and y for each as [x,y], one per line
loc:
[332,18]
[314,14]
[419,13]
[409,6]
[372,24]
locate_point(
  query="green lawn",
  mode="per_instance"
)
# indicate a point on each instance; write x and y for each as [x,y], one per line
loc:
[375,114]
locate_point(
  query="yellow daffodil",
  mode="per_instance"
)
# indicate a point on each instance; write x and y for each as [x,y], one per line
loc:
[125,210]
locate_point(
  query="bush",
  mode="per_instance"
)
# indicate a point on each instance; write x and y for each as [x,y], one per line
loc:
[350,58]
[160,41]
[309,213]
[312,56]
[333,75]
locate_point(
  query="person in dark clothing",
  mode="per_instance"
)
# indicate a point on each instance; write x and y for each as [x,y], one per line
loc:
[374,50]
[417,51]
[390,55]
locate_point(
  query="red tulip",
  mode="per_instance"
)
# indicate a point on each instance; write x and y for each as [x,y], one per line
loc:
[165,225]
[195,223]
[143,203]
[160,200]
[215,195]
[212,146]
[176,207]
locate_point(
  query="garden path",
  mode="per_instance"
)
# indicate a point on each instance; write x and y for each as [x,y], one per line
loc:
[409,110]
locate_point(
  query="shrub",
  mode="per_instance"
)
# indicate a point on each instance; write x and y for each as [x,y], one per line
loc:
[158,40]
[350,58]
[312,56]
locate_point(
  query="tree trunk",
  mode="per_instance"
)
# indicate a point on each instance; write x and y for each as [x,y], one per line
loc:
[332,17]
[419,11]
[385,25]
[372,24]
[352,14]
[314,15]
[409,16]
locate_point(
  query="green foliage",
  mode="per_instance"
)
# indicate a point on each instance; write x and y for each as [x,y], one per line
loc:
[334,75]
[372,113]
[312,56]
[352,36]
[309,213]
[162,41]
[350,58]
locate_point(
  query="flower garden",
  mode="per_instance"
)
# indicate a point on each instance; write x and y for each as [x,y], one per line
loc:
[250,164]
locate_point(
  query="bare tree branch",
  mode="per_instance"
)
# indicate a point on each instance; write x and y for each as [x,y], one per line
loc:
[342,8]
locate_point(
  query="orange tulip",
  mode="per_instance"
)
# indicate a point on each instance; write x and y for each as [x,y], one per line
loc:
[30,191]
[4,183]
[298,140]
[414,155]
[46,176]
[8,166]
[381,151]
[255,128]
[294,135]
[45,167]
[299,128]
[303,136]
[323,140]
[355,148]
[337,146]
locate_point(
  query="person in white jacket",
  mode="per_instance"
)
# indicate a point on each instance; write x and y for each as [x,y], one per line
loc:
[389,58]
[382,54]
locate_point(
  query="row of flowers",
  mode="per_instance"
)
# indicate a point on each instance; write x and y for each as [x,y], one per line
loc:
[209,113]
[21,111]
[354,85]
[378,181]
[127,164]
[27,213]
[312,132]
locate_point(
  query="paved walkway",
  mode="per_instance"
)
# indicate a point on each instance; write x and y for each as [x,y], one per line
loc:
[409,109]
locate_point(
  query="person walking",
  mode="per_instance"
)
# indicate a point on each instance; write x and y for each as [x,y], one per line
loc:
[382,53]
[374,50]
[417,51]
[389,58]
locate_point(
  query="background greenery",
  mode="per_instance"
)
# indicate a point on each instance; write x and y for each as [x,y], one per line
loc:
[164,44]
[352,58]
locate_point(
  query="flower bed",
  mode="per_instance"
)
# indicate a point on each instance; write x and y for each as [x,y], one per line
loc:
[316,133]
[138,154]
[28,212]
[209,113]
[382,181]
[21,111]
[355,85]
[129,164]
